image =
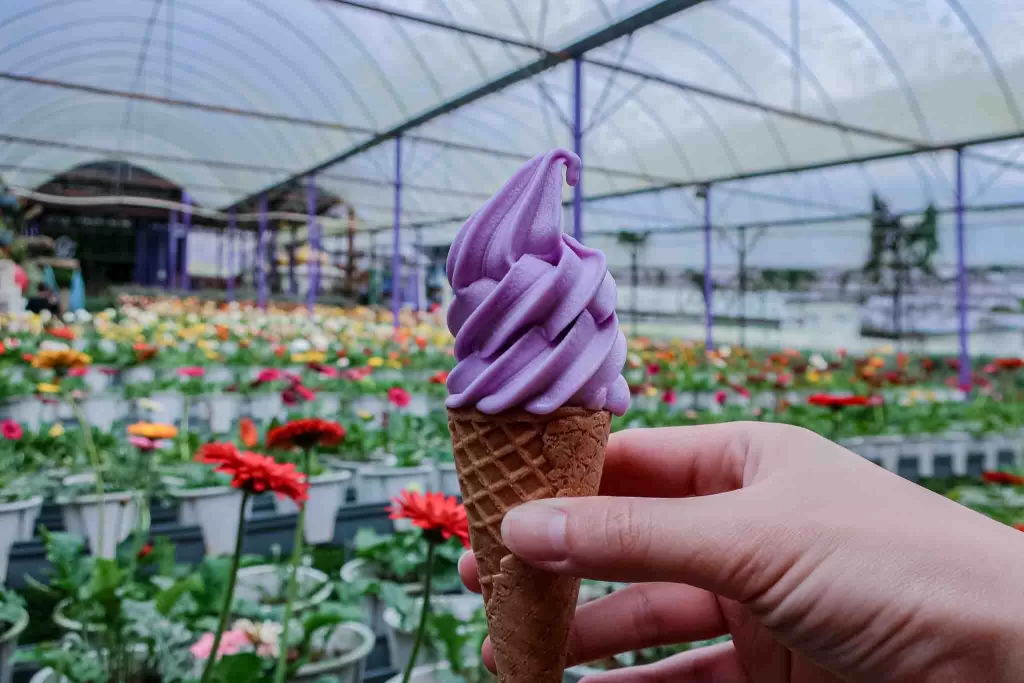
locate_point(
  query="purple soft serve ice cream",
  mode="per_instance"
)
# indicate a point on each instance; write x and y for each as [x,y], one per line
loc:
[534,310]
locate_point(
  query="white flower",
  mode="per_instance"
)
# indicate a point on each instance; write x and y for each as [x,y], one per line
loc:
[108,345]
[84,316]
[818,362]
[45,315]
[50,345]
[69,317]
[300,346]
[265,636]
[149,405]
[344,362]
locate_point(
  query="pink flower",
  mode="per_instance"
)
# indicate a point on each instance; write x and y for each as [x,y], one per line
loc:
[325,370]
[231,643]
[743,391]
[191,372]
[78,372]
[669,397]
[11,430]
[399,396]
[146,445]
[720,397]
[268,375]
[296,394]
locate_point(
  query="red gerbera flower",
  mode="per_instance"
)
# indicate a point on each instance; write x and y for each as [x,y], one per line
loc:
[296,394]
[305,434]
[191,372]
[1000,477]
[1008,363]
[438,515]
[399,396]
[439,377]
[11,430]
[62,333]
[256,473]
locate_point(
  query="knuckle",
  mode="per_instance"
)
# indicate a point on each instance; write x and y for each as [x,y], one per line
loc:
[627,531]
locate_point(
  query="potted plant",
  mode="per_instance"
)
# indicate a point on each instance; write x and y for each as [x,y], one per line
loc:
[402,465]
[399,558]
[13,620]
[207,499]
[20,502]
[402,615]
[266,585]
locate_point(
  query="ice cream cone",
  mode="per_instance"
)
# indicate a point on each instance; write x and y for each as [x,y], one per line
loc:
[505,460]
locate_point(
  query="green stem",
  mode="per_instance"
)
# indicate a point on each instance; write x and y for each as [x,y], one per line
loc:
[293,575]
[225,610]
[183,438]
[97,466]
[421,630]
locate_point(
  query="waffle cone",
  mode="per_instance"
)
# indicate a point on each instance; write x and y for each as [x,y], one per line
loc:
[503,461]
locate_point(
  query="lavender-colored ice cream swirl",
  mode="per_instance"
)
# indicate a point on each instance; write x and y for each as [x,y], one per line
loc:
[534,310]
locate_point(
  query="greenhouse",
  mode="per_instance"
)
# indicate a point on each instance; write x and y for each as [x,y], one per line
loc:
[299,299]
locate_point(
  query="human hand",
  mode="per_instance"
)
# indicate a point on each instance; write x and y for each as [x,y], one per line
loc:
[821,565]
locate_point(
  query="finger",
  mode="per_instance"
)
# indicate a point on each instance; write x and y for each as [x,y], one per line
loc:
[643,615]
[638,616]
[718,663]
[468,572]
[679,461]
[723,543]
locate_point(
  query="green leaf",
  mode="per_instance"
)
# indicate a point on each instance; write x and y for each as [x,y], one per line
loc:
[241,668]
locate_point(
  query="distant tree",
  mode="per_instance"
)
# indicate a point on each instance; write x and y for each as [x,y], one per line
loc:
[899,250]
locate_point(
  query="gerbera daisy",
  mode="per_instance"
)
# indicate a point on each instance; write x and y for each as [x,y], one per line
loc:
[305,434]
[153,430]
[438,515]
[60,360]
[255,472]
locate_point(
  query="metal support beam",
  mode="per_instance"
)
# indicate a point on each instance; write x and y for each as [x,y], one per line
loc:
[577,146]
[396,244]
[709,316]
[634,22]
[961,277]
[261,255]
[172,251]
[186,228]
[232,241]
[293,283]
[313,230]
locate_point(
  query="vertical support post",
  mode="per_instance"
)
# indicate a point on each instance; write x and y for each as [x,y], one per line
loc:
[293,284]
[261,255]
[419,276]
[396,245]
[172,251]
[275,280]
[232,240]
[313,266]
[577,146]
[709,316]
[961,276]
[186,227]
[243,262]
[221,238]
[139,274]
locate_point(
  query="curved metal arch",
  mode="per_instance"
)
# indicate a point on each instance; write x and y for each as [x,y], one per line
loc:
[890,60]
[127,155]
[201,76]
[283,86]
[990,60]
[56,28]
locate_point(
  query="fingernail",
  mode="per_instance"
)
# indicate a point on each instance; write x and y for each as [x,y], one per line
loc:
[535,531]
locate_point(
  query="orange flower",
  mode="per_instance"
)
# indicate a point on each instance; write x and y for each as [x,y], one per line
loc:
[153,430]
[439,516]
[60,360]
[65,333]
[305,434]
[255,472]
[439,377]
[144,352]
[248,432]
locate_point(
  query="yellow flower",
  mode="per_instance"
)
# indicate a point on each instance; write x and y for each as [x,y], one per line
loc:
[397,365]
[651,391]
[212,355]
[60,359]
[364,415]
[309,357]
[375,362]
[56,430]
[48,388]
[813,376]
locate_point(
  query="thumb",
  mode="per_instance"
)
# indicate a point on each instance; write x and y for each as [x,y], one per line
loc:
[723,543]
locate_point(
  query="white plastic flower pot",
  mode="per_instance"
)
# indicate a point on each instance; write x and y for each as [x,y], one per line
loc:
[215,510]
[140,374]
[401,640]
[96,380]
[326,496]
[344,656]
[102,410]
[264,407]
[328,405]
[82,517]
[25,411]
[373,606]
[8,645]
[373,405]
[222,411]
[378,483]
[171,407]
[261,584]
[427,673]
[219,374]
[448,479]
[17,522]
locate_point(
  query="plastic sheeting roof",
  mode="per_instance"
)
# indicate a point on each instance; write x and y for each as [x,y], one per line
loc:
[713,90]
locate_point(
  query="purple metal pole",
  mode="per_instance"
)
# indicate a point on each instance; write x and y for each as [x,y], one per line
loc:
[172,251]
[709,316]
[961,276]
[243,262]
[261,256]
[577,146]
[140,255]
[187,201]
[293,284]
[313,267]
[396,260]
[232,238]
[273,254]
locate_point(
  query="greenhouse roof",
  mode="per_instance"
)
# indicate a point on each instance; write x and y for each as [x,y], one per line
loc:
[233,98]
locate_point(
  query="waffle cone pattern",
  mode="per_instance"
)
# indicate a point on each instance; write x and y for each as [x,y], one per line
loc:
[505,460]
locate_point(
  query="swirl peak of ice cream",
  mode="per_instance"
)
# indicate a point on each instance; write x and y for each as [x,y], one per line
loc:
[534,310]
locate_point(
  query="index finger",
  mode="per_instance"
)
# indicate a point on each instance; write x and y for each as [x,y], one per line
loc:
[675,462]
